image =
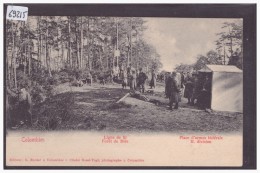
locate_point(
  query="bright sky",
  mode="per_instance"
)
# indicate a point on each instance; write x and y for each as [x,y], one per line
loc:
[180,40]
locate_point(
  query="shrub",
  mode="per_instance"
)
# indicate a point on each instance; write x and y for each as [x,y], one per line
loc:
[64,77]
[23,80]
[38,94]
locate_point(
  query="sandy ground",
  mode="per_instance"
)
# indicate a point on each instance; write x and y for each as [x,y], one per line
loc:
[93,108]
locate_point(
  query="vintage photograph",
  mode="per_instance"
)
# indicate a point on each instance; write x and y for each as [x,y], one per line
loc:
[114,91]
[124,74]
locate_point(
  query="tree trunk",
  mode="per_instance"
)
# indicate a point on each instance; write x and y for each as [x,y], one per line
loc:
[29,56]
[58,59]
[40,46]
[231,46]
[128,57]
[58,62]
[69,58]
[25,59]
[47,49]
[41,58]
[89,62]
[7,65]
[78,52]
[14,57]
[49,63]
[62,52]
[117,43]
[138,60]
[107,57]
[78,56]
[130,40]
[81,44]
[38,38]
[224,62]
[100,59]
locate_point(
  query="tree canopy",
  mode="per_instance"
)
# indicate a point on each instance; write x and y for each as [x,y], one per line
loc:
[53,43]
[229,49]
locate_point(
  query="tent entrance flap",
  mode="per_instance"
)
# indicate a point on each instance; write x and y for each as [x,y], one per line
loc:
[205,80]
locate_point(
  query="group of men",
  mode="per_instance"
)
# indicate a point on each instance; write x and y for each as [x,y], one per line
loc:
[199,90]
[194,89]
[87,80]
[135,79]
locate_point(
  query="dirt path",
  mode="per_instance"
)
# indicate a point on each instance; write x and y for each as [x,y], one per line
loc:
[94,108]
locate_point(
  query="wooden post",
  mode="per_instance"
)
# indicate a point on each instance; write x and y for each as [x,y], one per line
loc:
[123,98]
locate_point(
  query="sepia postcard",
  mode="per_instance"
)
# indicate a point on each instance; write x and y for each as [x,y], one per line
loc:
[129,86]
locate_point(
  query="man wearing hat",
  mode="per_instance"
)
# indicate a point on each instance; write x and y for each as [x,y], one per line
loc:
[141,80]
[173,91]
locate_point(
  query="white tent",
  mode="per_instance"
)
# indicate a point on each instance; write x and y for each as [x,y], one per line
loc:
[227,87]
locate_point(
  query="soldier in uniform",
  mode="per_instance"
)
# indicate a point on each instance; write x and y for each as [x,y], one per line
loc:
[153,80]
[167,76]
[24,107]
[188,88]
[141,80]
[195,91]
[206,93]
[22,112]
[133,82]
[89,78]
[173,91]
[124,79]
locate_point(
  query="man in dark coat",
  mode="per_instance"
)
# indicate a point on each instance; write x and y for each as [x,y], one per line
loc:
[173,91]
[23,108]
[153,80]
[196,90]
[206,93]
[167,75]
[133,81]
[141,80]
[188,87]
[182,80]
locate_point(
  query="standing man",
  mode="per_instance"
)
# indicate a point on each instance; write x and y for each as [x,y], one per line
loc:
[153,80]
[188,87]
[25,105]
[129,76]
[173,91]
[133,82]
[166,78]
[89,79]
[196,91]
[206,93]
[23,109]
[141,80]
[124,79]
[182,79]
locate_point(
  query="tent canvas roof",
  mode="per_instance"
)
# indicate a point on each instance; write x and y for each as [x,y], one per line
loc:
[221,68]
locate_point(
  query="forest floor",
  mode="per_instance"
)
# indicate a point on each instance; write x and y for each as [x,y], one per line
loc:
[94,108]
